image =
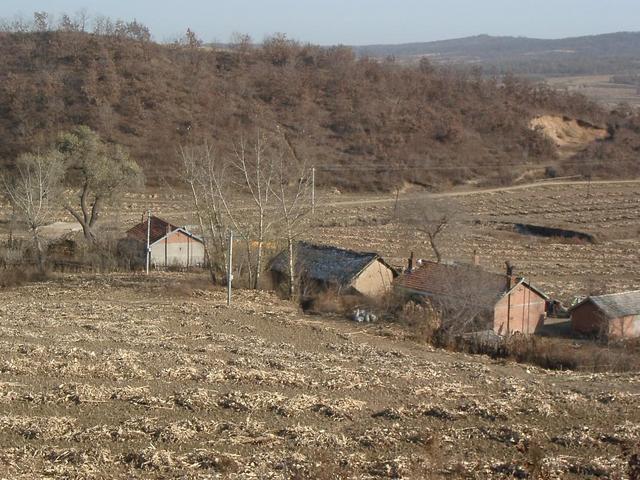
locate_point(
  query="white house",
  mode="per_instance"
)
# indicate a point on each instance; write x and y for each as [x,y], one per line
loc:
[170,246]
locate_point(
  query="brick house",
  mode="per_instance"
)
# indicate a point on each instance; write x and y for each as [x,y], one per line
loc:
[323,267]
[615,315]
[503,303]
[170,245]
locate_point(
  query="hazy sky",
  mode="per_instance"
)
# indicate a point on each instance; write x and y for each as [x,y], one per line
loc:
[357,21]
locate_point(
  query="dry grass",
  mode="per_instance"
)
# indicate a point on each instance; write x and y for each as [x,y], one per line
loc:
[109,376]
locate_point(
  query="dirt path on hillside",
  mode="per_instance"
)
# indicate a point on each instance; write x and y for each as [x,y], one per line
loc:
[466,193]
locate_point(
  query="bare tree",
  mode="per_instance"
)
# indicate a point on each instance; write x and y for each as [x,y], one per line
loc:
[257,171]
[99,171]
[41,21]
[34,191]
[236,194]
[203,174]
[430,217]
[467,299]
[291,188]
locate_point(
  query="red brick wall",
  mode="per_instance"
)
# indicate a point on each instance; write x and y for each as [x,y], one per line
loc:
[521,311]
[586,319]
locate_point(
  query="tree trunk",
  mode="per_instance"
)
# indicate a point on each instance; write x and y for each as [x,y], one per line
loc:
[258,264]
[292,275]
[87,227]
[434,247]
[207,249]
[39,251]
[249,263]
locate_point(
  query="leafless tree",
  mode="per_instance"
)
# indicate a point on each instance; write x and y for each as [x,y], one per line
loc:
[291,188]
[257,168]
[41,21]
[429,216]
[467,298]
[99,172]
[34,192]
[204,175]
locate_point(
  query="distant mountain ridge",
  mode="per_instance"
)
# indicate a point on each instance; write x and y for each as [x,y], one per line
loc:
[611,52]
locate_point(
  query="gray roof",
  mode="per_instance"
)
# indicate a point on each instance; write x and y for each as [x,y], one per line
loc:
[616,305]
[325,263]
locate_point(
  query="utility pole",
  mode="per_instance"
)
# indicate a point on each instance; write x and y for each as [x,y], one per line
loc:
[148,250]
[313,190]
[229,267]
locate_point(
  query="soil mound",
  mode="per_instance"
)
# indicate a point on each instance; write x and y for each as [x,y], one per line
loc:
[568,134]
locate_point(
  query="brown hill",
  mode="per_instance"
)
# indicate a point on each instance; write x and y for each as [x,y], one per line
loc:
[365,124]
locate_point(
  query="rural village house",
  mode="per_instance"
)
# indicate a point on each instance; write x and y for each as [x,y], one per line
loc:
[502,303]
[170,246]
[322,267]
[616,315]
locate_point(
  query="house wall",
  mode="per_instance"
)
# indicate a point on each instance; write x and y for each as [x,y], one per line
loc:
[177,250]
[374,280]
[523,310]
[625,327]
[587,319]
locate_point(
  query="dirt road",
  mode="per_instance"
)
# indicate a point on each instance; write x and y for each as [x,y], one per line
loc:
[465,193]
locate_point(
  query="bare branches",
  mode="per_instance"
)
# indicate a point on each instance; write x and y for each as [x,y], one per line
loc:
[292,192]
[258,186]
[202,173]
[430,217]
[257,169]
[467,300]
[34,192]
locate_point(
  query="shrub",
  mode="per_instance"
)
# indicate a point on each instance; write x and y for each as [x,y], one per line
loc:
[19,275]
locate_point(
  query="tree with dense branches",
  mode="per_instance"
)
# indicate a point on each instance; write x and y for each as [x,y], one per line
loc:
[98,171]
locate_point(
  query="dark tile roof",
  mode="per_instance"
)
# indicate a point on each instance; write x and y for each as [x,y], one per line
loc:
[616,305]
[325,263]
[159,228]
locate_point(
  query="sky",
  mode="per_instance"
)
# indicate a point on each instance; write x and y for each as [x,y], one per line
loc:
[355,22]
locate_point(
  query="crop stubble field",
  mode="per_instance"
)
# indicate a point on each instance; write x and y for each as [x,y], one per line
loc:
[608,210]
[127,377]
[120,376]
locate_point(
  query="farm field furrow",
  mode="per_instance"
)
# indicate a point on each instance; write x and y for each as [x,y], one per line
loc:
[132,377]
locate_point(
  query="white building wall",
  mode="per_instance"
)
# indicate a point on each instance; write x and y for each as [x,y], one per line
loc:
[177,250]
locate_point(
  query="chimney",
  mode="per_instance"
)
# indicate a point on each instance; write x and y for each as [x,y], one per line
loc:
[476,258]
[410,266]
[510,269]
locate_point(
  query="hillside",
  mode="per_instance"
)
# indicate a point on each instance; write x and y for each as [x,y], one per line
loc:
[595,54]
[365,124]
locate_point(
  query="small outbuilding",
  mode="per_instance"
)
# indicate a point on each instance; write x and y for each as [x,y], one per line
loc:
[484,300]
[615,316]
[323,267]
[170,245]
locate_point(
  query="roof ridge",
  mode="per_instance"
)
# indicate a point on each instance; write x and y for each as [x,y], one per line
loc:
[614,294]
[333,247]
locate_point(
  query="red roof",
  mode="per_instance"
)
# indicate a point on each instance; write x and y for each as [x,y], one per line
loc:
[444,279]
[159,228]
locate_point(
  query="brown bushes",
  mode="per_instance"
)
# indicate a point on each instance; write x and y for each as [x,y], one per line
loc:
[362,120]
[424,325]
[18,275]
[560,354]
